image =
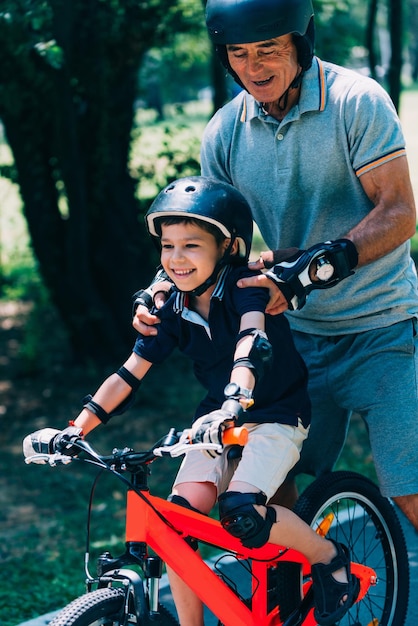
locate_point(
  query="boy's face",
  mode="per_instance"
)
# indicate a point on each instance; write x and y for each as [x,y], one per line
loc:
[189,254]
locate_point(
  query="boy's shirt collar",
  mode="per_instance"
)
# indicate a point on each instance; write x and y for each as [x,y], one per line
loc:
[182,299]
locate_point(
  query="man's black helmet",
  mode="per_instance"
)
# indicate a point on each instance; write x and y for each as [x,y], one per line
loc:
[249,21]
[210,201]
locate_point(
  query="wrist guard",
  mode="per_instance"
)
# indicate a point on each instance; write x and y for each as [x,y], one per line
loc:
[145,297]
[335,260]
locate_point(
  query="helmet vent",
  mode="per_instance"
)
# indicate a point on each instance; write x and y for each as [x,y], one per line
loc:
[190,189]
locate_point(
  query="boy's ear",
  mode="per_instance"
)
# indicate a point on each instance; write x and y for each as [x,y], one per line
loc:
[235,246]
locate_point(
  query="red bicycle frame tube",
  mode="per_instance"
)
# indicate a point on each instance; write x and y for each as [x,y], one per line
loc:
[144,524]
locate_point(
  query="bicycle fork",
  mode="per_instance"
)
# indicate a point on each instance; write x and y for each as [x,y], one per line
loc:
[143,589]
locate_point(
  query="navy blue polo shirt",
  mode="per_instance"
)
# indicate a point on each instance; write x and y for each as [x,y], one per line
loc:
[279,396]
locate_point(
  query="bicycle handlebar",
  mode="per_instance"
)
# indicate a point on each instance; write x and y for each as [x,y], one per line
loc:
[174,444]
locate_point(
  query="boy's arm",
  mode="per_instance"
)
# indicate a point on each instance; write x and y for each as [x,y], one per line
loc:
[251,354]
[110,399]
[112,393]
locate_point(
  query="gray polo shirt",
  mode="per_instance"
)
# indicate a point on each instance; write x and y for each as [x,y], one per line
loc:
[302,176]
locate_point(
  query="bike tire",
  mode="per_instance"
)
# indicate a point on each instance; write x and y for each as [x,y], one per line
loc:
[367,523]
[104,607]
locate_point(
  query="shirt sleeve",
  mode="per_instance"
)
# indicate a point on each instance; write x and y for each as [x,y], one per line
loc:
[156,349]
[373,127]
[248,298]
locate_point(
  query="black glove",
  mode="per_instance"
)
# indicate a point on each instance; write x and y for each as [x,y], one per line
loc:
[209,428]
[145,297]
[50,440]
[335,260]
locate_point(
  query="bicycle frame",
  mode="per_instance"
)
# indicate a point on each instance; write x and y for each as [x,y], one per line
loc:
[144,524]
[162,526]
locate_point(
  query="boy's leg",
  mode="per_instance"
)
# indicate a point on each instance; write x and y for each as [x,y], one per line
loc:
[201,496]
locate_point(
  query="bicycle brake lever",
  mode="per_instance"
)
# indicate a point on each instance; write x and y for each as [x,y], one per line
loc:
[184,446]
[51,459]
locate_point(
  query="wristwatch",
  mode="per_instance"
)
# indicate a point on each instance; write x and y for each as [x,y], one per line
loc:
[324,269]
[233,390]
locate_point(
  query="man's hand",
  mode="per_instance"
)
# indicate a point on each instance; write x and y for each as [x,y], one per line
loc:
[279,296]
[277,303]
[209,428]
[298,272]
[143,321]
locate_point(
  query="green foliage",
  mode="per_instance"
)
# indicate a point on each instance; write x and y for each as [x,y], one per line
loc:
[68,79]
[164,151]
[340,28]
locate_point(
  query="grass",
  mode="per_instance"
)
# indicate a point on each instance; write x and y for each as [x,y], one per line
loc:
[43,510]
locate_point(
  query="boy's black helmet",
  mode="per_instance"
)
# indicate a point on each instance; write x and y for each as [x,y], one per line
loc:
[249,21]
[208,200]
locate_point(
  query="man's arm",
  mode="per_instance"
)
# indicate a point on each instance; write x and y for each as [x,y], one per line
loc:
[390,223]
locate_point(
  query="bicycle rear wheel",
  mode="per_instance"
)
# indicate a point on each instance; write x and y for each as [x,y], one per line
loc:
[104,607]
[368,525]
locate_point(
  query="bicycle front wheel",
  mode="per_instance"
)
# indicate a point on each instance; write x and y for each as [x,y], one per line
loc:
[104,607]
[368,525]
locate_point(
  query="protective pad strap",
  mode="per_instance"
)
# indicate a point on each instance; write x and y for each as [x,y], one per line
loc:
[129,378]
[245,333]
[91,405]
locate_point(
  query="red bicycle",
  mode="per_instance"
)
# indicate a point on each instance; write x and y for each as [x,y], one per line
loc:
[273,586]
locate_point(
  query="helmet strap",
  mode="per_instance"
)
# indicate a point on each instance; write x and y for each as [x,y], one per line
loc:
[282,103]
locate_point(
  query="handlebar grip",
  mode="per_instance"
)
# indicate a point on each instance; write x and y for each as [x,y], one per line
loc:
[236,435]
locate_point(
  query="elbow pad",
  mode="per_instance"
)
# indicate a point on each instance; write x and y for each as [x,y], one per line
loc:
[260,356]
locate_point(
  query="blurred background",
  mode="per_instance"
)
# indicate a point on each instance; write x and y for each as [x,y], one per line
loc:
[102,103]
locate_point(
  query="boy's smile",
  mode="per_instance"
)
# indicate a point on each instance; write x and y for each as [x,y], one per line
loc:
[189,254]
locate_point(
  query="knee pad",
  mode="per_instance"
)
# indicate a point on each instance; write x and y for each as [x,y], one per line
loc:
[175,499]
[239,517]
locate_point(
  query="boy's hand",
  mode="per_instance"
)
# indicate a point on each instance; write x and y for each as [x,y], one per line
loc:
[50,440]
[209,428]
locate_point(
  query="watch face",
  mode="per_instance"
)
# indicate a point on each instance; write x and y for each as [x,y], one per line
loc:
[232,389]
[325,271]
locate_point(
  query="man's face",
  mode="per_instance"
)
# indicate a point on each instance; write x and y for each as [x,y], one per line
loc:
[265,68]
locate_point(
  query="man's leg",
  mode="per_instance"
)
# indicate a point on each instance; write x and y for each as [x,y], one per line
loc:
[409,507]
[329,424]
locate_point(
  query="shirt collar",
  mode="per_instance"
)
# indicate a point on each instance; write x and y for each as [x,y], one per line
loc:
[182,299]
[312,96]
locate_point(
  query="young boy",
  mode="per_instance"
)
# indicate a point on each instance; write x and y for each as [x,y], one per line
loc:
[252,373]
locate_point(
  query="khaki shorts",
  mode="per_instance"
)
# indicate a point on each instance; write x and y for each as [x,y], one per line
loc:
[272,450]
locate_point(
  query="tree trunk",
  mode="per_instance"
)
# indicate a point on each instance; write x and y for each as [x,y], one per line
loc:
[370,37]
[395,66]
[69,132]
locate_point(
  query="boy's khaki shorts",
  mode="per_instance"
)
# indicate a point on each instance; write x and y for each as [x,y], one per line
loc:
[272,450]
